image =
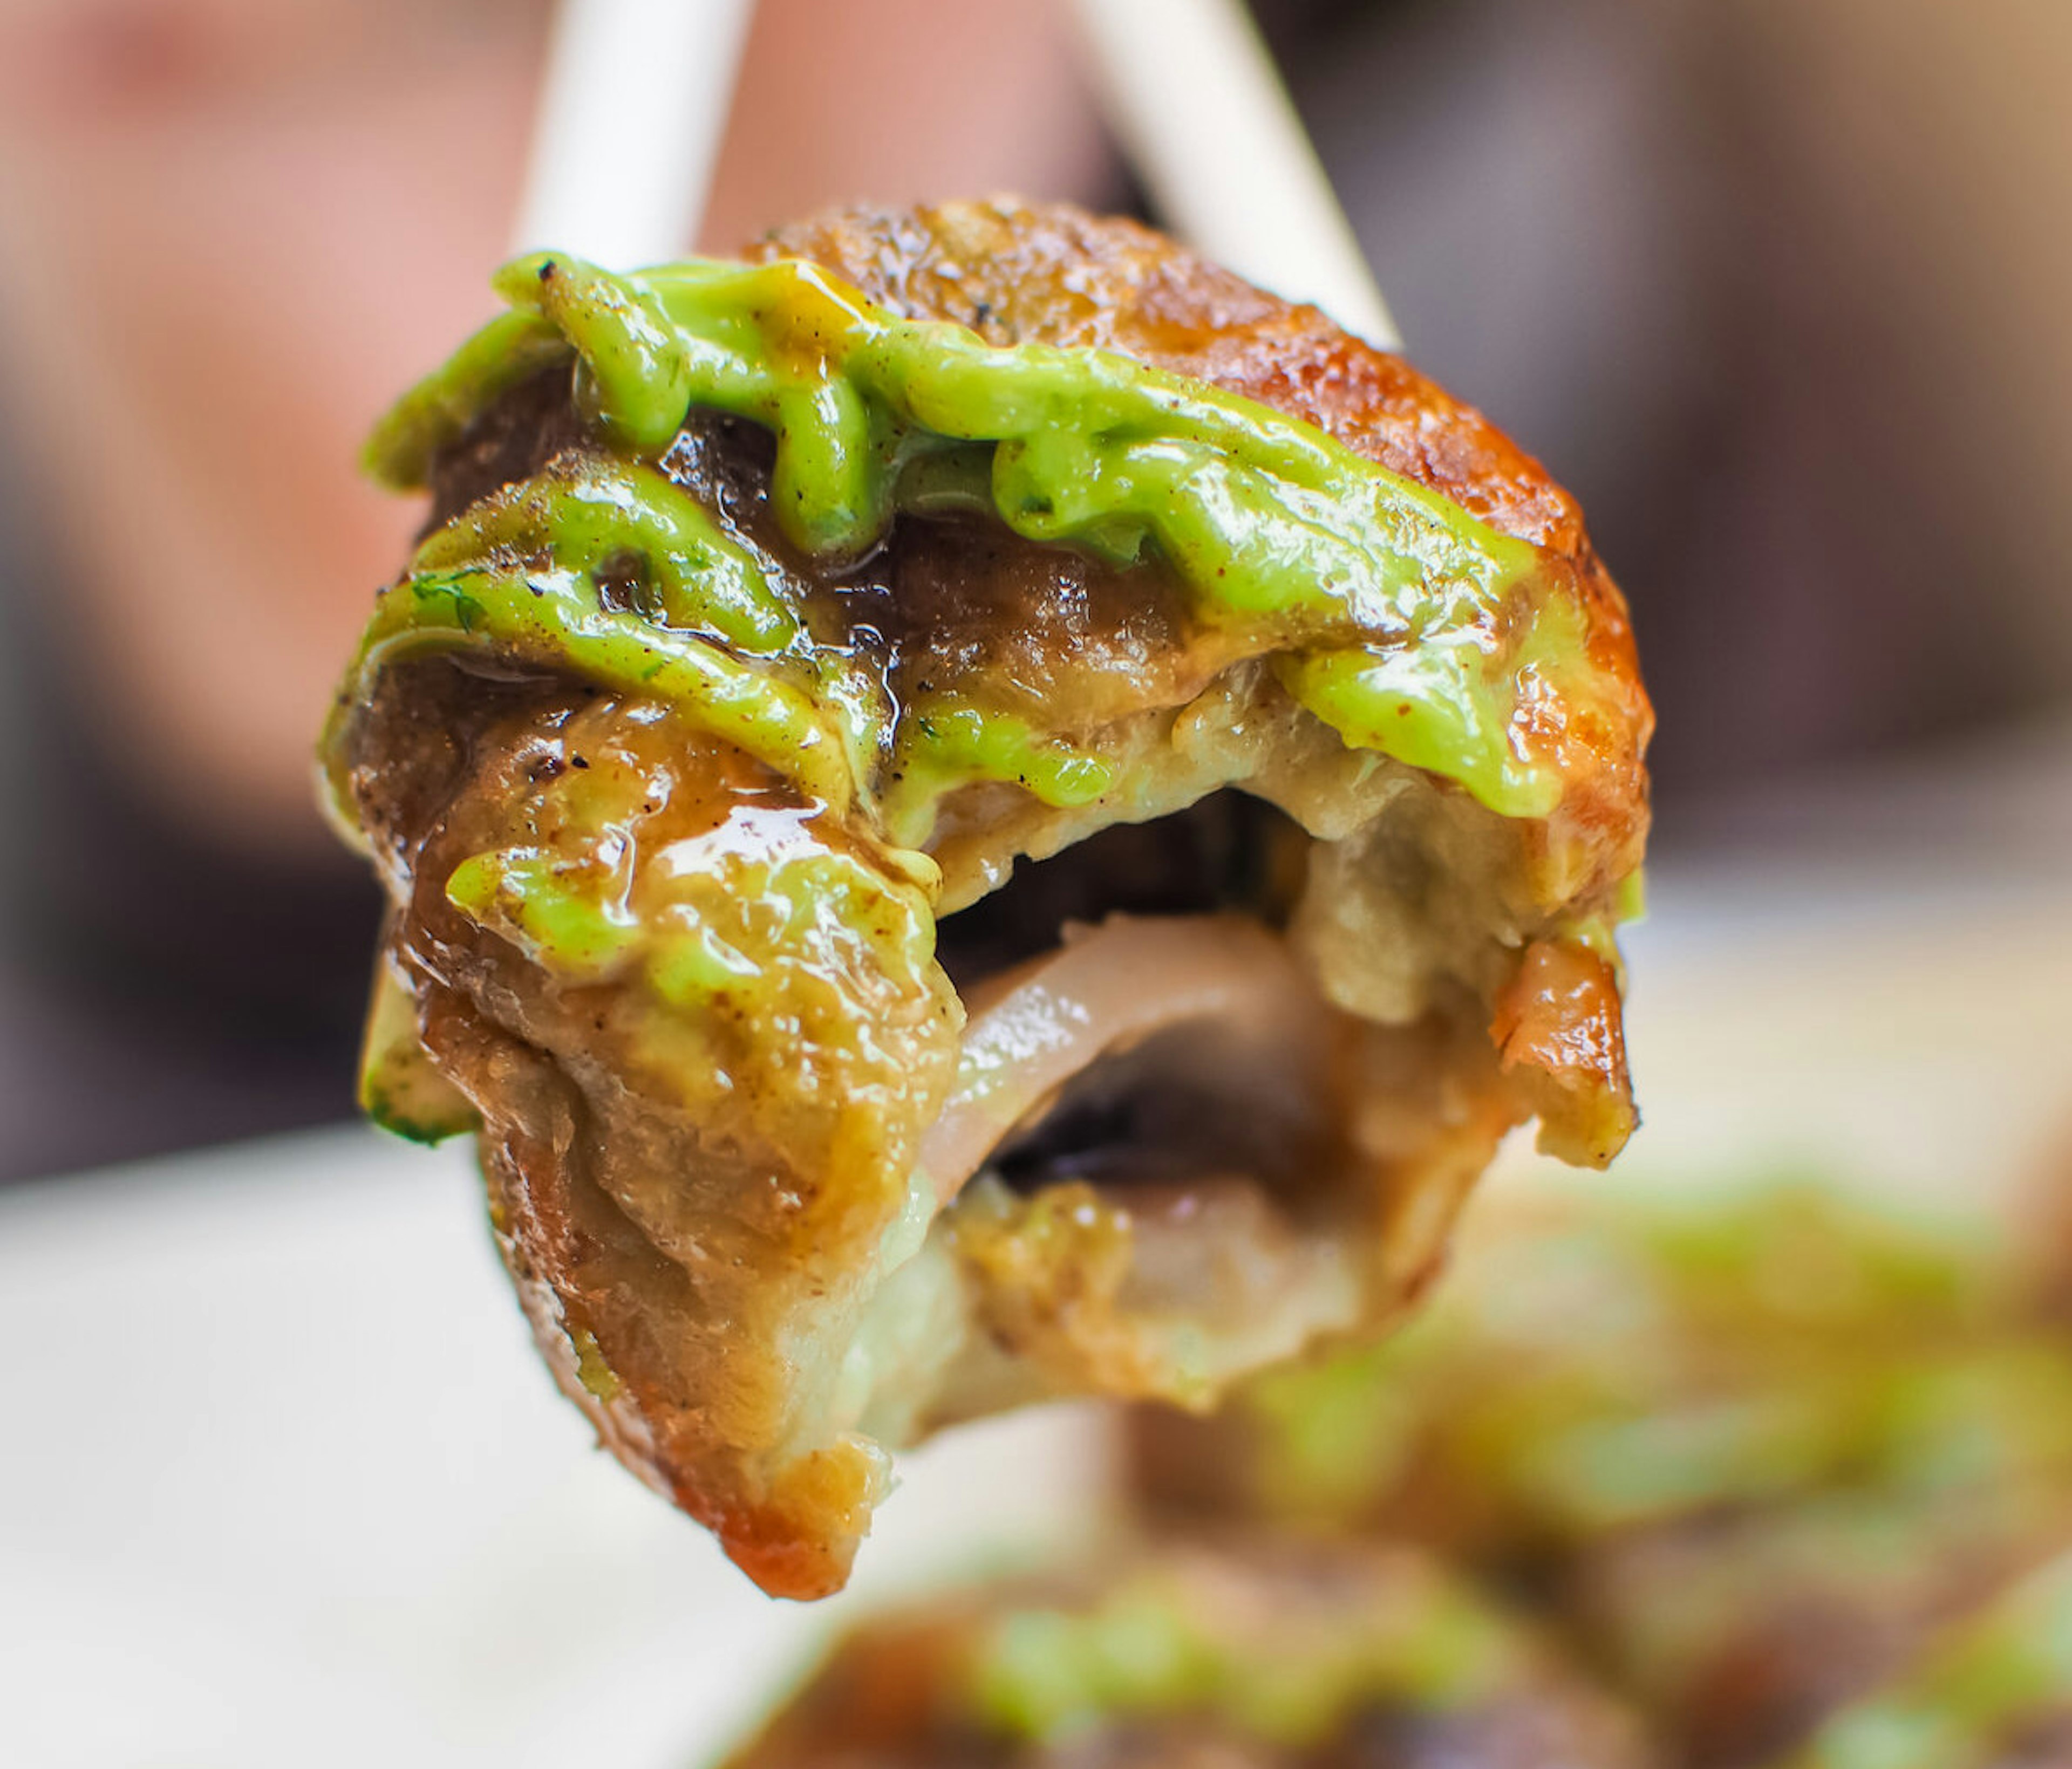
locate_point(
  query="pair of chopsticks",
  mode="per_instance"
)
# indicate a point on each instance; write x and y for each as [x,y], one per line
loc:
[637,93]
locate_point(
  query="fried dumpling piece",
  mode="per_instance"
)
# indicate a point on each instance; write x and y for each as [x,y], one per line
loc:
[978,811]
[1241,1655]
[1748,1454]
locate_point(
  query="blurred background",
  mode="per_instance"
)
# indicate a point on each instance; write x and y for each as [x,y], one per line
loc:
[1776,286]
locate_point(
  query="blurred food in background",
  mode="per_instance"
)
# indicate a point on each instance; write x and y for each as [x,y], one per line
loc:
[1747,1453]
[1244,1653]
[1989,1689]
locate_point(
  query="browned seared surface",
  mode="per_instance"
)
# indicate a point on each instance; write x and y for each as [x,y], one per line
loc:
[696,1207]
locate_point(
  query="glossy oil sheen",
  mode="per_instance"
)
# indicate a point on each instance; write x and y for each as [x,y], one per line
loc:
[1377,597]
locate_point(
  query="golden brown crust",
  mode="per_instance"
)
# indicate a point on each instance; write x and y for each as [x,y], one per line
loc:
[658,1242]
[1559,1026]
[694,1199]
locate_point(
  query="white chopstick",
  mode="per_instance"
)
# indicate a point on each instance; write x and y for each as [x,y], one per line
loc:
[1200,109]
[632,111]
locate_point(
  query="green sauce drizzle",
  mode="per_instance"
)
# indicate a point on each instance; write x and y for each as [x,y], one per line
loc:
[552,618]
[1382,602]
[628,524]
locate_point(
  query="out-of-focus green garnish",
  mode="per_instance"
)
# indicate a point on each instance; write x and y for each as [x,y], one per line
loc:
[1156,1646]
[1664,1359]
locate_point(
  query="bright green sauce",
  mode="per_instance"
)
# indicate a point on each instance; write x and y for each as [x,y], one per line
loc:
[1854,1361]
[571,929]
[1379,599]
[677,569]
[552,617]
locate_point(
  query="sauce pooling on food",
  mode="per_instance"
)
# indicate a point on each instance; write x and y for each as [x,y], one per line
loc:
[1408,626]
